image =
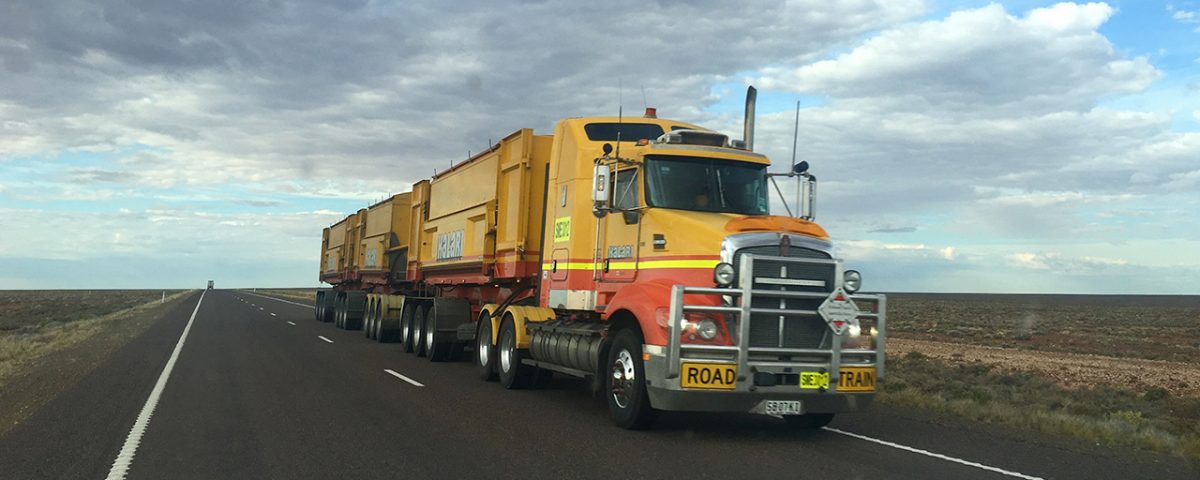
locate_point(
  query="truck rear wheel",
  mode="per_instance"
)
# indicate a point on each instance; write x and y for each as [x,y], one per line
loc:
[809,420]
[628,402]
[485,352]
[514,374]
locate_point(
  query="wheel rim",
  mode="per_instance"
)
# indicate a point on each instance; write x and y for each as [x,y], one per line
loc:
[623,378]
[484,346]
[506,352]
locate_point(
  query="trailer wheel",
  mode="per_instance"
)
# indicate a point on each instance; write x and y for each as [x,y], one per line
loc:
[435,350]
[406,326]
[339,312]
[628,402]
[373,327]
[514,374]
[809,421]
[419,324]
[485,352]
[369,318]
[319,306]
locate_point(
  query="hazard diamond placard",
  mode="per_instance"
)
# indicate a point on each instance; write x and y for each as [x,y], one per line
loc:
[838,311]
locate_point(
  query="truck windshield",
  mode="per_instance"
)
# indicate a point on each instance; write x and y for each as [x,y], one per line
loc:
[706,184]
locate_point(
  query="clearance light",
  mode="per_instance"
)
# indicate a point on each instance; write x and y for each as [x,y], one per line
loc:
[723,274]
[852,281]
[643,142]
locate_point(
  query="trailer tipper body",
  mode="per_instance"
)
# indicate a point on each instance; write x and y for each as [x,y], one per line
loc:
[639,253]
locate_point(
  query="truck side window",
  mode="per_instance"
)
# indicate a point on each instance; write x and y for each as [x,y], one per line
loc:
[625,192]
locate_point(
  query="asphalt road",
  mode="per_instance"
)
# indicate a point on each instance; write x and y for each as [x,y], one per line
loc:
[261,390]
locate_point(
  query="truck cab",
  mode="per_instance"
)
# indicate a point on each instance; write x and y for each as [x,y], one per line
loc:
[667,227]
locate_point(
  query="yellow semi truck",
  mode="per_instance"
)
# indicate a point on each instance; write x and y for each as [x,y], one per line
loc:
[639,253]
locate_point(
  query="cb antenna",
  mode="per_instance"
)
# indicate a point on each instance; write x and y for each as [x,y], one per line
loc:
[620,113]
[795,135]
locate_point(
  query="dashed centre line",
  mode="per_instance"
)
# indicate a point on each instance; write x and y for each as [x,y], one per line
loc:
[402,377]
[325,339]
[291,323]
[273,314]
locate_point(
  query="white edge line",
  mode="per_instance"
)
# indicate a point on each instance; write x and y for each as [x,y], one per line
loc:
[124,459]
[932,454]
[325,339]
[291,323]
[402,377]
[281,300]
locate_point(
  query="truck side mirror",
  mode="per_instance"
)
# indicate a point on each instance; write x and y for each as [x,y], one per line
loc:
[808,197]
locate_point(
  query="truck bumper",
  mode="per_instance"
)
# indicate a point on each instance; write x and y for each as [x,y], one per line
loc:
[666,394]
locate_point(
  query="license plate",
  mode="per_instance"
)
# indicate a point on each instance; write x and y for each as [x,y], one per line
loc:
[856,379]
[710,376]
[783,407]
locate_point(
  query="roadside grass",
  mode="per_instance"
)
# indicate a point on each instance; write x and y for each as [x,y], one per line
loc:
[36,323]
[305,294]
[1152,420]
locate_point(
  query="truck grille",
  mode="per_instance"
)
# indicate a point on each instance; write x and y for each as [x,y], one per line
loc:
[788,331]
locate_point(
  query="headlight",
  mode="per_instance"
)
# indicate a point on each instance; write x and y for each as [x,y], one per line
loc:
[723,274]
[707,329]
[851,281]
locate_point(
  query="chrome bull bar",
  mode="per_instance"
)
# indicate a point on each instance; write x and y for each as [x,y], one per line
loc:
[745,291]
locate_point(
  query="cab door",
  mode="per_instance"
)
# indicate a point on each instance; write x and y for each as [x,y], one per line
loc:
[619,239]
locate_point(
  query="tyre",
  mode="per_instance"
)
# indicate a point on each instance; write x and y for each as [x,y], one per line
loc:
[406,327]
[369,318]
[485,352]
[418,340]
[436,351]
[339,312]
[809,420]
[319,306]
[513,373]
[628,402]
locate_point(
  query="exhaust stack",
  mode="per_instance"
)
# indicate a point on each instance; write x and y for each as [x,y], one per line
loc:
[748,122]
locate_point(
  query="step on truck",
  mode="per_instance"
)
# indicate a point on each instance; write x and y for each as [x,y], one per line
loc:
[638,253]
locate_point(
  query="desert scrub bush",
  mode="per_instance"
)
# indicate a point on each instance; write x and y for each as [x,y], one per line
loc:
[1153,419]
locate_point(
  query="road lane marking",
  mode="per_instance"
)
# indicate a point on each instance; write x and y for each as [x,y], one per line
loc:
[282,300]
[932,454]
[402,377]
[325,339]
[260,308]
[291,323]
[273,314]
[124,460]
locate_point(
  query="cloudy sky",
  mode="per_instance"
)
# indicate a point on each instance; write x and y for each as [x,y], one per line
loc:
[964,146]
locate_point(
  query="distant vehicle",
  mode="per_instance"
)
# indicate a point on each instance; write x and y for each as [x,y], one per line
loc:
[638,253]
[210,284]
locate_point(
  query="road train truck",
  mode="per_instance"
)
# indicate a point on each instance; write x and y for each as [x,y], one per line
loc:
[640,254]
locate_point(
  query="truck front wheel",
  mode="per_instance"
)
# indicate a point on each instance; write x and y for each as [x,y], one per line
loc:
[628,402]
